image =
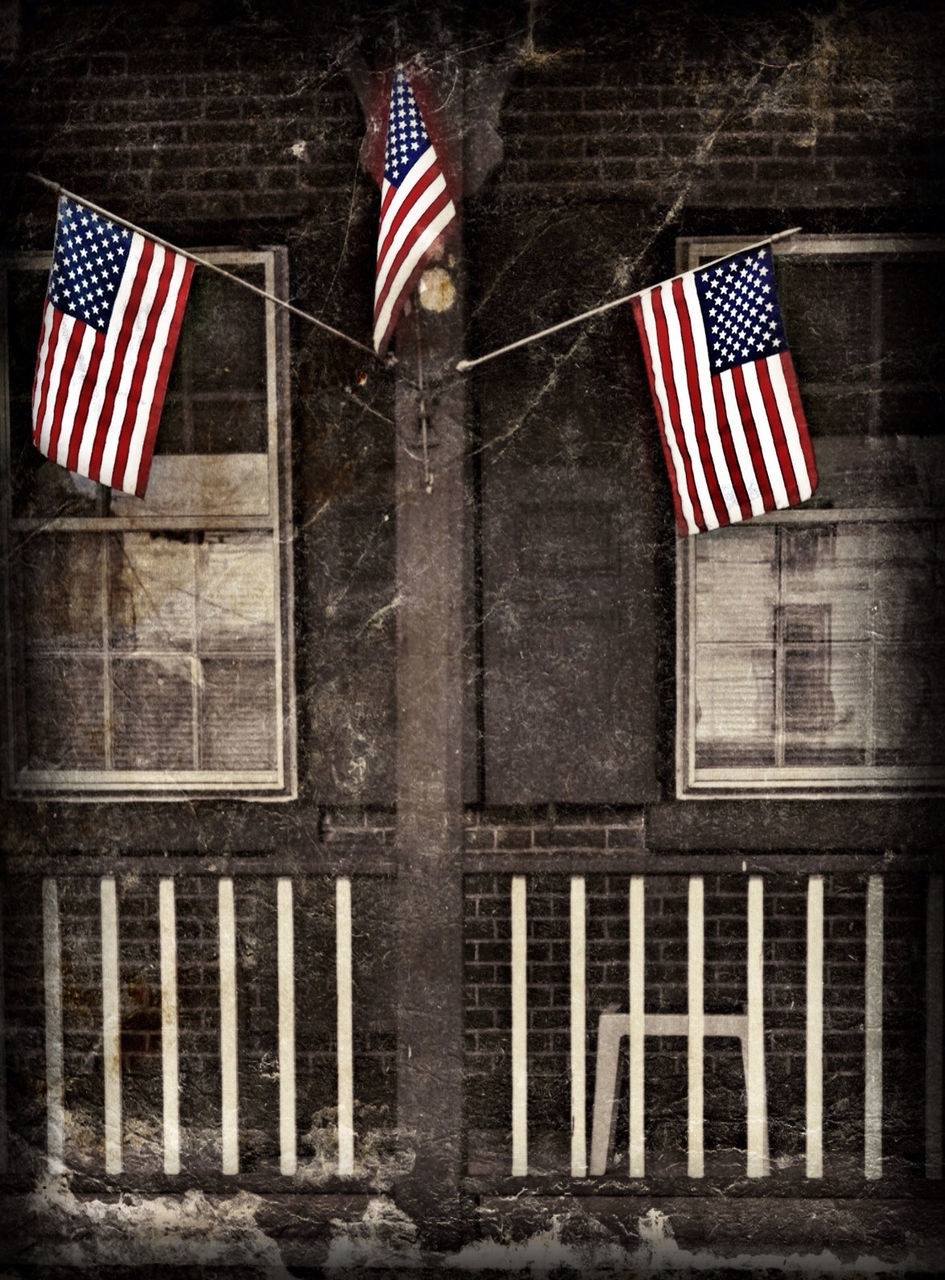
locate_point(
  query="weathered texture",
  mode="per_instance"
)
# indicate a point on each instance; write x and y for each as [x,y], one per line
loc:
[485,674]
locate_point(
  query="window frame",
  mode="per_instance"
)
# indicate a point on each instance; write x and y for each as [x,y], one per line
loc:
[280,782]
[804,782]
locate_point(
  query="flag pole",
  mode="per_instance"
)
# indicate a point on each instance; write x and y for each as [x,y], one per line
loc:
[212,266]
[464,365]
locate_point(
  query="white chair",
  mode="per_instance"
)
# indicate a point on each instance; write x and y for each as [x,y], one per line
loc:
[611,1029]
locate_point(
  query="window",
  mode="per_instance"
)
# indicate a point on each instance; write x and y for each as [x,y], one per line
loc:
[811,641]
[150,649]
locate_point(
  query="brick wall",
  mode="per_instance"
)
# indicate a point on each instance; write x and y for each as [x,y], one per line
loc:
[812,111]
[225,124]
[229,128]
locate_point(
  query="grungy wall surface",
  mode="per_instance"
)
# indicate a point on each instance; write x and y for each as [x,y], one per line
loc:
[485,681]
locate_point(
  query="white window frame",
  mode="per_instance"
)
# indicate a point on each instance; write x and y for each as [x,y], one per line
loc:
[270,513]
[785,781]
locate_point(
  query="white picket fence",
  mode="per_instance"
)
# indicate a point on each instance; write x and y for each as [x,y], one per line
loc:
[696,1024]
[111,1026]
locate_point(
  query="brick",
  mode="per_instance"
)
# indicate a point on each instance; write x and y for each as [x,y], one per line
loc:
[479,1019]
[780,123]
[558,148]
[670,123]
[477,838]
[567,100]
[671,96]
[618,97]
[108,64]
[277,206]
[492,951]
[570,838]
[577,172]
[853,169]
[514,837]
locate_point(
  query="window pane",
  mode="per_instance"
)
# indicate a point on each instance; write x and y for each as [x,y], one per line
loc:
[734,705]
[238,714]
[223,339]
[152,713]
[230,424]
[917,410]
[910,704]
[217,400]
[26,289]
[913,346]
[737,578]
[825,571]
[826,704]
[152,589]
[64,727]
[829,330]
[832,412]
[831,687]
[237,593]
[879,471]
[909,601]
[913,319]
[214,424]
[60,579]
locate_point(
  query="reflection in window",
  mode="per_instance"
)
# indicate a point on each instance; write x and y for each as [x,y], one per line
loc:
[818,648]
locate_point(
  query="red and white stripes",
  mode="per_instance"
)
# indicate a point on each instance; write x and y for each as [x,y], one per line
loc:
[416,207]
[413,215]
[97,396]
[736,442]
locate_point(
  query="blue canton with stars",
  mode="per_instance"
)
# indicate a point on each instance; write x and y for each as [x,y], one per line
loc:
[406,137]
[88,262]
[740,310]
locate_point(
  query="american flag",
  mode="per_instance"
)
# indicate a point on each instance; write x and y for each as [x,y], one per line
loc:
[415,208]
[730,417]
[113,310]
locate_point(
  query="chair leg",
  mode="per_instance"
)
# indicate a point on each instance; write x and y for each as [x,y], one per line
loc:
[605,1094]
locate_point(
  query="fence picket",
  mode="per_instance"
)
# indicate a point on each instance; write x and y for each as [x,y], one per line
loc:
[52,983]
[111,1025]
[696,1026]
[229,1076]
[814,1041]
[519,1029]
